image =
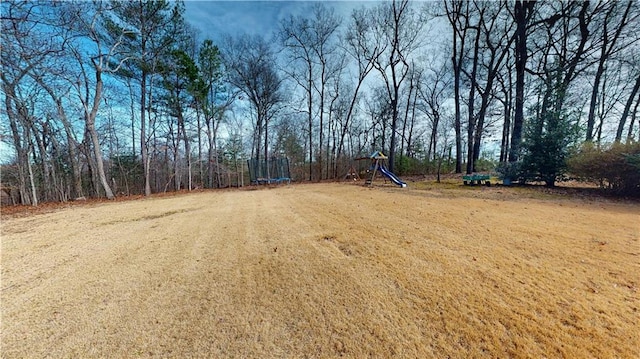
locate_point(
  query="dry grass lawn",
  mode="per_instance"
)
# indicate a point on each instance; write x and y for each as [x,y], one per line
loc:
[323,271]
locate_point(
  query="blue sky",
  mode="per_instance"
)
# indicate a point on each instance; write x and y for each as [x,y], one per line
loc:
[215,18]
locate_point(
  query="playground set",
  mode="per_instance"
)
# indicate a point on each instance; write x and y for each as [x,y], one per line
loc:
[271,171]
[277,170]
[378,160]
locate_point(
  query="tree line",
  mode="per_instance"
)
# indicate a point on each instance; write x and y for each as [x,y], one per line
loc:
[124,97]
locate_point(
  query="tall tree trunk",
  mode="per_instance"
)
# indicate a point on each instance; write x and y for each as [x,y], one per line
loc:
[91,128]
[522,11]
[310,120]
[572,65]
[406,116]
[606,50]
[210,139]
[133,117]
[216,155]
[457,121]
[627,108]
[59,189]
[456,61]
[144,151]
[72,144]
[591,118]
[22,155]
[634,115]
[433,145]
[200,166]
[187,148]
[46,186]
[347,121]
[413,120]
[258,141]
[321,113]
[506,128]
[177,176]
[471,125]
[266,143]
[394,126]
[34,194]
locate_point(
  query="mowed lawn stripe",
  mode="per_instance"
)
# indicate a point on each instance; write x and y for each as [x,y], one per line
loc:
[324,270]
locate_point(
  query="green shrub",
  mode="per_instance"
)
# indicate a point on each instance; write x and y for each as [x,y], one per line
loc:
[509,170]
[403,165]
[615,167]
[549,140]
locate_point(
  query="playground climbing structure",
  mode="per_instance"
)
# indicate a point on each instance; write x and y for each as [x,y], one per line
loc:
[378,160]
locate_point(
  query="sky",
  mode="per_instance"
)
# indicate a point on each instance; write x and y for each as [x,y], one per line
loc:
[215,18]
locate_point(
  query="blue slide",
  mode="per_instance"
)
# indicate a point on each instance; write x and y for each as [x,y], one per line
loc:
[392,177]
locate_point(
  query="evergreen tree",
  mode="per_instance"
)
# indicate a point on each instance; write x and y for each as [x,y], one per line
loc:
[149,25]
[549,137]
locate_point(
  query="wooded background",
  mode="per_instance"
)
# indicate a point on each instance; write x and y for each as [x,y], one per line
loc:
[111,98]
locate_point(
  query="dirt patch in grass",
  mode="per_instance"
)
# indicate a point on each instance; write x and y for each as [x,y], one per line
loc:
[323,271]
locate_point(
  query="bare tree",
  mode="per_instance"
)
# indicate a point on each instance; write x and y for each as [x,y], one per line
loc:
[362,48]
[251,65]
[634,116]
[458,17]
[497,37]
[564,44]
[58,97]
[105,57]
[311,45]
[397,29]
[296,37]
[627,108]
[505,97]
[28,41]
[616,17]
[433,90]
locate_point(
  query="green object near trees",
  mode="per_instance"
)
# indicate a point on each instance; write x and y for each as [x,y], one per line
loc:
[476,179]
[549,136]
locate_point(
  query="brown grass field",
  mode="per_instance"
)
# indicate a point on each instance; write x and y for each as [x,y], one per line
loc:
[325,271]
